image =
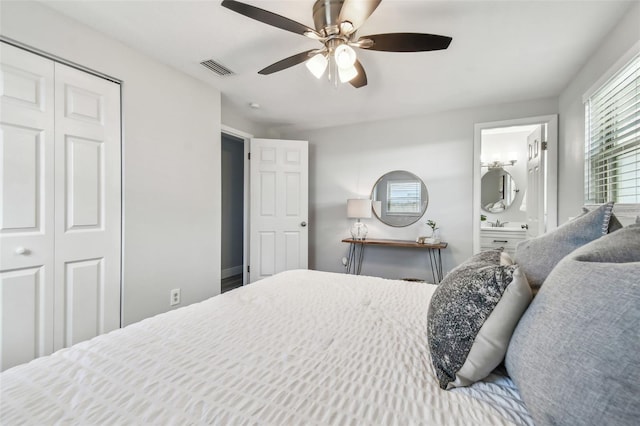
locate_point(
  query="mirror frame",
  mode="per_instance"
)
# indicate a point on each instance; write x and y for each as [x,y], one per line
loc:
[514,189]
[424,201]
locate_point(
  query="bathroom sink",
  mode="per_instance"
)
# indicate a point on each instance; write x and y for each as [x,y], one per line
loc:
[508,227]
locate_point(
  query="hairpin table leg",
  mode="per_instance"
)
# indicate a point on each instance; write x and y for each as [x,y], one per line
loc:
[351,258]
[360,259]
[435,259]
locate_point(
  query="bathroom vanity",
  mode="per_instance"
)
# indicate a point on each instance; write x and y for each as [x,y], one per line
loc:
[508,238]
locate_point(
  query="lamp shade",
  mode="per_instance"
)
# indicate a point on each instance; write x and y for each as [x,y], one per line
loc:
[347,74]
[317,64]
[345,56]
[358,208]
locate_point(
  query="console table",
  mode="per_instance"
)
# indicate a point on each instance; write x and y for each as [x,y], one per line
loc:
[356,253]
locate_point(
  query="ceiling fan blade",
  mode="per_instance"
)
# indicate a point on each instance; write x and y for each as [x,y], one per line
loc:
[269,18]
[361,79]
[357,11]
[407,42]
[287,62]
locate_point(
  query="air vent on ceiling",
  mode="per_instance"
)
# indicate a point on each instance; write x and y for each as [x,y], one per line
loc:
[217,68]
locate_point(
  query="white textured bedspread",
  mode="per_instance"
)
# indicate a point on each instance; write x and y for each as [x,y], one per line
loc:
[302,347]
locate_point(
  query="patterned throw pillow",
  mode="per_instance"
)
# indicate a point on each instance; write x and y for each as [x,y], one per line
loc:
[574,354]
[471,317]
[538,256]
[492,256]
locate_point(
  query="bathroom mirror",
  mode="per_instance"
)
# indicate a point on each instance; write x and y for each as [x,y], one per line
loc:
[399,198]
[498,190]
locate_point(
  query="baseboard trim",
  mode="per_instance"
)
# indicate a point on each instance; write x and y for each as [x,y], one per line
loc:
[229,272]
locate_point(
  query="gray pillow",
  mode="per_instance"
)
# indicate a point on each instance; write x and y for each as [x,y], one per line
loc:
[574,354]
[471,317]
[539,255]
[614,224]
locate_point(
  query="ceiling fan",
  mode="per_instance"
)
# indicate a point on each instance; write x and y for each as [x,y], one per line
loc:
[337,22]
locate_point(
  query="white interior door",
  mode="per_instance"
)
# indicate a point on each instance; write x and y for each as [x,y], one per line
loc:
[279,228]
[26,206]
[87,216]
[535,184]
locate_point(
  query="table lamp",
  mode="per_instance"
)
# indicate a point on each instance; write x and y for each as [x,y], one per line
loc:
[358,209]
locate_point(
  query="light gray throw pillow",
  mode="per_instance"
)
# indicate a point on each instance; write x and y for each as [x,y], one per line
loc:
[574,356]
[539,255]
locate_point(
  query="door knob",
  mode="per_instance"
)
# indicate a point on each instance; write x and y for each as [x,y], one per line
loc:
[21,250]
[303,224]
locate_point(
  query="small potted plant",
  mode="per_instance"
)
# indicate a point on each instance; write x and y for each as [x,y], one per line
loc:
[433,238]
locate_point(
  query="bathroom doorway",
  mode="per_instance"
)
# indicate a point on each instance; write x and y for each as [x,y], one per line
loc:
[515,180]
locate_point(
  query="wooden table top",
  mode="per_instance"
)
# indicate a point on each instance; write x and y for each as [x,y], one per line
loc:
[395,243]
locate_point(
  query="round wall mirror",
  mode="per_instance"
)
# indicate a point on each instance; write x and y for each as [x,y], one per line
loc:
[498,190]
[399,198]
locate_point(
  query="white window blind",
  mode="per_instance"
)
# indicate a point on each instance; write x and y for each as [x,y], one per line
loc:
[612,151]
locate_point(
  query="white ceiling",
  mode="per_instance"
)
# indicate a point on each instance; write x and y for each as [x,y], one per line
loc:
[502,51]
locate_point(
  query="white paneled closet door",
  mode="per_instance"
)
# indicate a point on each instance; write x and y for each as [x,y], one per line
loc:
[87,210]
[27,210]
[60,219]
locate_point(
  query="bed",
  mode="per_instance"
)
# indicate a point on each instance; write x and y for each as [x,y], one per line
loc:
[302,347]
[310,347]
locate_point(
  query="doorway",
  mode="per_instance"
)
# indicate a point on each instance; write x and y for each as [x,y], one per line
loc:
[233,203]
[522,155]
[278,179]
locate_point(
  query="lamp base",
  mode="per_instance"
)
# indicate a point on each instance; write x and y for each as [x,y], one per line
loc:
[359,231]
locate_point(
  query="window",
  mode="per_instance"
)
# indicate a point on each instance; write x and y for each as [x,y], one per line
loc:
[612,133]
[404,197]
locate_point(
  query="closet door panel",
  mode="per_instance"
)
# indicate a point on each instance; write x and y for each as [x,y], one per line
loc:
[85,186]
[26,205]
[21,165]
[88,224]
[84,287]
[26,322]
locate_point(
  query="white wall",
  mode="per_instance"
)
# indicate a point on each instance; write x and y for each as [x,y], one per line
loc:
[235,119]
[571,124]
[171,155]
[345,162]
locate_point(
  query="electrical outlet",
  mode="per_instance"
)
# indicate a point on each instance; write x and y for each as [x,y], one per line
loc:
[175,297]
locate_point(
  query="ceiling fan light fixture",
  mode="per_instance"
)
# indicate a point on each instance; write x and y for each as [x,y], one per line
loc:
[336,23]
[347,74]
[317,64]
[346,27]
[345,56]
